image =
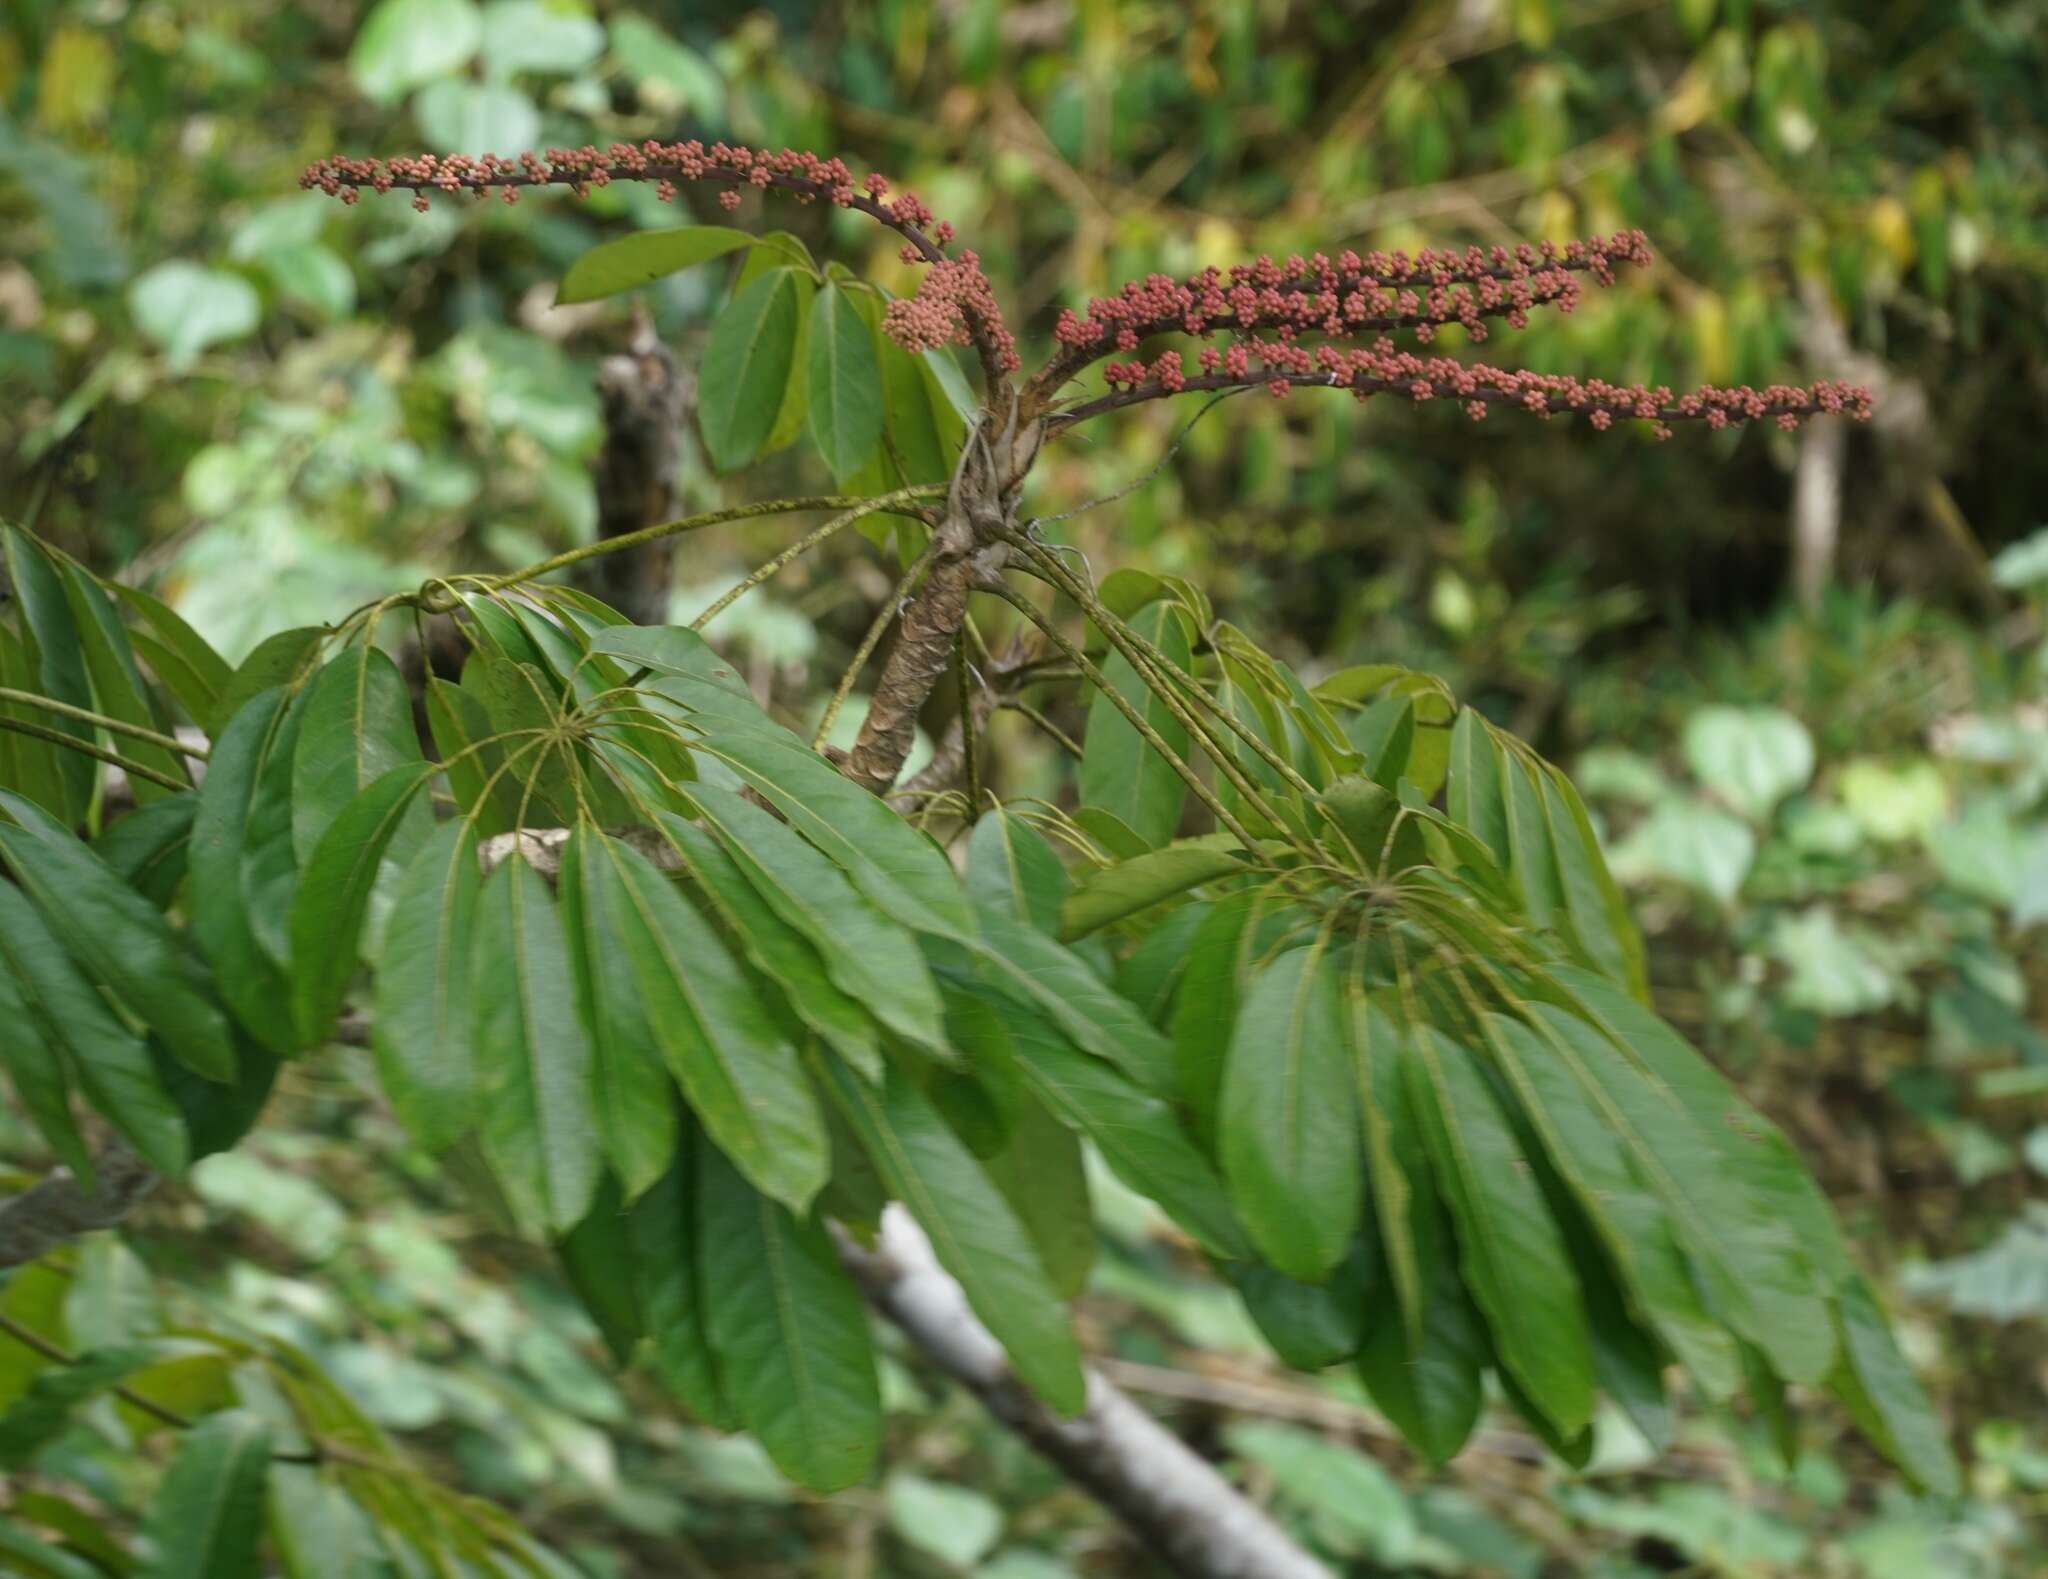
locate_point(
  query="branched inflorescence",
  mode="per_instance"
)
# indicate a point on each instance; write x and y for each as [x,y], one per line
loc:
[954,304]
[1276,324]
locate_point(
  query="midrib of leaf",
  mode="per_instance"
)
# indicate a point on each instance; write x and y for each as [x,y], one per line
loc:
[786,1307]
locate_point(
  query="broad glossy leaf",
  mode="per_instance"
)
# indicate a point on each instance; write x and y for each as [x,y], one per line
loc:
[1598,917]
[776,949]
[1429,1384]
[33,1054]
[1137,1132]
[1115,892]
[1043,1175]
[1011,865]
[358,726]
[888,860]
[1883,1396]
[425,1030]
[269,859]
[333,898]
[673,1298]
[845,382]
[112,1064]
[1235,934]
[285,659]
[747,364]
[461,726]
[1288,1128]
[1021,960]
[1120,772]
[1401,1201]
[207,1516]
[1532,858]
[729,1052]
[533,1060]
[598,1259]
[632,1091]
[119,936]
[190,669]
[975,1234]
[250,981]
[1473,791]
[788,1329]
[55,656]
[1152,972]
[1583,1134]
[218,1114]
[523,706]
[866,954]
[1510,1248]
[644,257]
[1313,1325]
[117,685]
[149,848]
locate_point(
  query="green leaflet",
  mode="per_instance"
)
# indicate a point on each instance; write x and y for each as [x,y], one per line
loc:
[1599,918]
[149,848]
[1042,1174]
[32,1558]
[112,1064]
[1152,972]
[252,984]
[668,1275]
[867,955]
[1010,865]
[597,1258]
[1402,1205]
[1532,858]
[425,1030]
[36,1418]
[644,257]
[631,1088]
[1120,771]
[30,767]
[1882,1396]
[208,1514]
[218,1114]
[788,1329]
[1137,1132]
[1752,1268]
[747,364]
[1574,1118]
[845,382]
[1472,792]
[282,659]
[1429,1383]
[725,1047]
[333,899]
[776,949]
[522,706]
[1313,1325]
[1288,1125]
[1236,932]
[33,1054]
[1125,889]
[1510,1248]
[1022,961]
[119,936]
[892,863]
[357,726]
[117,684]
[54,656]
[459,721]
[973,1231]
[533,1060]
[191,671]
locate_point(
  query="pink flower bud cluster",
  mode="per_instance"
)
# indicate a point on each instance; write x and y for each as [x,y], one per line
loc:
[1381,368]
[954,304]
[1349,295]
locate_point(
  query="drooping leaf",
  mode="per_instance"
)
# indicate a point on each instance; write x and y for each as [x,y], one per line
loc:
[1473,791]
[747,364]
[33,1056]
[1313,1325]
[1043,1175]
[1594,908]
[357,727]
[1429,1382]
[674,1299]
[461,727]
[54,654]
[632,1090]
[732,1057]
[1510,1248]
[285,659]
[333,897]
[533,1060]
[1120,771]
[1235,934]
[112,1063]
[845,382]
[149,848]
[1288,1128]
[29,766]
[424,1035]
[207,1517]
[1883,1396]
[597,1258]
[1010,864]
[788,1330]
[191,670]
[1402,1204]
[35,1419]
[644,257]
[118,688]
[118,935]
[252,984]
[974,1233]
[1108,896]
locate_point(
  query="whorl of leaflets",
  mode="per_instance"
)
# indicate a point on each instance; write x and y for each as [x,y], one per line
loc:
[1267,309]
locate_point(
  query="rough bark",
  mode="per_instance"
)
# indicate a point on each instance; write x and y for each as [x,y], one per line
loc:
[643,393]
[61,1207]
[1817,508]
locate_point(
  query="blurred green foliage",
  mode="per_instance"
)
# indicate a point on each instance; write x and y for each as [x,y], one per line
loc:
[272,407]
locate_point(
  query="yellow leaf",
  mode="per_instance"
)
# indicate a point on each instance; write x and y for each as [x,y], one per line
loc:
[77,79]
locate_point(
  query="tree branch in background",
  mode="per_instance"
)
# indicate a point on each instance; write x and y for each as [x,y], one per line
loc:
[644,394]
[62,1206]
